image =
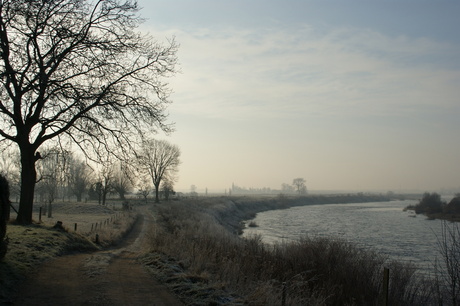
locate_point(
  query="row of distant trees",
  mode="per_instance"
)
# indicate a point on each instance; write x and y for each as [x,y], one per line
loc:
[298,186]
[64,174]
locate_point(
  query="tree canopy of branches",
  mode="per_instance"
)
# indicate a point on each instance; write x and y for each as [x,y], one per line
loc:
[122,180]
[78,69]
[160,160]
[79,178]
[299,185]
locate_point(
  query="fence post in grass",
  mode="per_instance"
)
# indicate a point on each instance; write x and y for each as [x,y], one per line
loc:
[92,224]
[97,238]
[40,216]
[75,226]
[283,295]
[386,281]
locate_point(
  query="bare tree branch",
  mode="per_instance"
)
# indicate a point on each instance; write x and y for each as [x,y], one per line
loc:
[77,69]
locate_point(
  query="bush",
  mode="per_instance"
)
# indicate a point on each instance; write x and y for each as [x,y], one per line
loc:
[448,269]
[454,206]
[430,204]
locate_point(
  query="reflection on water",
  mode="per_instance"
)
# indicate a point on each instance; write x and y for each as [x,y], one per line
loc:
[382,226]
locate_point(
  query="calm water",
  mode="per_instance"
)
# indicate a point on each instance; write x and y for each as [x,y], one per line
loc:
[382,226]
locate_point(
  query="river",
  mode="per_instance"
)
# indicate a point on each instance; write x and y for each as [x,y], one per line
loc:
[381,226]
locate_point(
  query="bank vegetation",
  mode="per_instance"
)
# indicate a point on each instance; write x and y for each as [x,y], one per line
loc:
[198,237]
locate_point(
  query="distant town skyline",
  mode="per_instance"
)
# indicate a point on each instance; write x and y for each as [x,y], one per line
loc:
[356,95]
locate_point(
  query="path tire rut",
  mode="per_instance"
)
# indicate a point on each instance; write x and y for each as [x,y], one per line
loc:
[111,277]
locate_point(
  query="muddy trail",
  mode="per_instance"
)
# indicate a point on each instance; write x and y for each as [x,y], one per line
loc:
[109,277]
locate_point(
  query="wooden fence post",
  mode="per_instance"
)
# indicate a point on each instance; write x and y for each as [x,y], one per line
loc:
[40,216]
[283,295]
[75,226]
[386,281]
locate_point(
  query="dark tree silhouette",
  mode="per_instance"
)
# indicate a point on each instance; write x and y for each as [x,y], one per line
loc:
[430,203]
[4,213]
[77,69]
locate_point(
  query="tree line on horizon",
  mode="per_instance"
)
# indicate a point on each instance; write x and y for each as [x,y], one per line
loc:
[298,186]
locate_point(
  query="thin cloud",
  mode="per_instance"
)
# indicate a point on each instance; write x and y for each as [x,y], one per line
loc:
[236,72]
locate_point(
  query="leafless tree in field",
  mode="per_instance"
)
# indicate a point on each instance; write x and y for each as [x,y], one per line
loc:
[122,179]
[160,160]
[144,187]
[299,185]
[77,69]
[79,177]
[50,168]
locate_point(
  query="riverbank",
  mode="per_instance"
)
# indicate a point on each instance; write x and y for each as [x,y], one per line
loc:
[241,208]
[200,236]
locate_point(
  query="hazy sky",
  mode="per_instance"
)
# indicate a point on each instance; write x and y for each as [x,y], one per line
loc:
[350,95]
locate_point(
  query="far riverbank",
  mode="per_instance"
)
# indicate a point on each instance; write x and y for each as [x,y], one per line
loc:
[239,209]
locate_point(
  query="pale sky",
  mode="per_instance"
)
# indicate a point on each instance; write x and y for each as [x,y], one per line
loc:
[350,95]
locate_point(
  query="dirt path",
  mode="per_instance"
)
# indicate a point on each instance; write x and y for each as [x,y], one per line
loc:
[111,277]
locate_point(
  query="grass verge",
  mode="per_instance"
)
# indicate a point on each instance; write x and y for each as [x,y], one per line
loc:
[197,240]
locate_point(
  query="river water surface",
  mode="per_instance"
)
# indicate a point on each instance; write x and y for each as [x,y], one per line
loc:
[381,226]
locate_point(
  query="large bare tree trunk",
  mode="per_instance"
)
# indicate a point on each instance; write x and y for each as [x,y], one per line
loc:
[28,181]
[157,193]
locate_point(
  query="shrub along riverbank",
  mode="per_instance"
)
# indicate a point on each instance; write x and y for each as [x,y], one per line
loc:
[434,207]
[197,238]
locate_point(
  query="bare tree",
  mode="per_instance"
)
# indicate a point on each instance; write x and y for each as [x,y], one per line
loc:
[287,188]
[193,192]
[49,171]
[105,183]
[145,187]
[123,179]
[299,185]
[167,188]
[160,160]
[77,69]
[79,178]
